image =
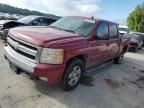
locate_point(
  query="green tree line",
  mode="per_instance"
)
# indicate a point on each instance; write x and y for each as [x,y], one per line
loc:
[136,19]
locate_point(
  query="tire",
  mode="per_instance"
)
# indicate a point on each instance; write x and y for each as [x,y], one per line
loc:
[134,49]
[73,73]
[119,59]
[140,47]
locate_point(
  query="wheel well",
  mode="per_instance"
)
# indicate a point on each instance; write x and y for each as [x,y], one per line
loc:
[125,49]
[81,57]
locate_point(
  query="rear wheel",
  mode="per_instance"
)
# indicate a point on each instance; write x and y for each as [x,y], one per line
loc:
[119,59]
[73,74]
[140,47]
[135,48]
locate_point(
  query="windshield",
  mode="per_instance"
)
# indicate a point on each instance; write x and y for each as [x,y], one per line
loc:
[80,26]
[27,19]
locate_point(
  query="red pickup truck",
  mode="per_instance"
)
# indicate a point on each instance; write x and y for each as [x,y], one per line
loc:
[62,52]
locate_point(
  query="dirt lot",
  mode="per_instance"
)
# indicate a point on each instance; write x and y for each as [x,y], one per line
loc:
[113,86]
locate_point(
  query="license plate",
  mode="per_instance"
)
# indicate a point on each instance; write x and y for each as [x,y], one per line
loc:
[13,67]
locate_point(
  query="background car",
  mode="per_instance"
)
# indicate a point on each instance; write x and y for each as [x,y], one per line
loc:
[123,29]
[124,32]
[136,42]
[5,25]
[142,34]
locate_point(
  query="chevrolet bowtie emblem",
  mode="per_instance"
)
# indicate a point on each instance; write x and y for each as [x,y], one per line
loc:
[16,45]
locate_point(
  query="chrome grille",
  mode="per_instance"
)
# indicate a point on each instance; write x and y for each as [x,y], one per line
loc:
[25,49]
[1,26]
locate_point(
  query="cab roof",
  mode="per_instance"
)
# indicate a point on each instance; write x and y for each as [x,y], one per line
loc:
[94,19]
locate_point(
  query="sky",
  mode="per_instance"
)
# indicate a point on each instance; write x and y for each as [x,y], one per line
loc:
[114,10]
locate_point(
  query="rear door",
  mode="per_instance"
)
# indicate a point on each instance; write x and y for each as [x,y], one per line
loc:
[114,40]
[99,47]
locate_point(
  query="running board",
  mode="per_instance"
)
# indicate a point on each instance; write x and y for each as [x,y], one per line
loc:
[99,68]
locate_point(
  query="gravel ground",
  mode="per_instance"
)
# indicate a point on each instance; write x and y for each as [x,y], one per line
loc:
[112,86]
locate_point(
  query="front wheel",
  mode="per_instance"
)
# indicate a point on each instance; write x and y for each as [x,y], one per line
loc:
[73,74]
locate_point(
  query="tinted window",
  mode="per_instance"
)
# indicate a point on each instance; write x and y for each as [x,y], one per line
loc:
[50,21]
[102,31]
[113,31]
[40,22]
[36,22]
[43,21]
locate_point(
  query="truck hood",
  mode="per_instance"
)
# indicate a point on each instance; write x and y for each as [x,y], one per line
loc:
[41,36]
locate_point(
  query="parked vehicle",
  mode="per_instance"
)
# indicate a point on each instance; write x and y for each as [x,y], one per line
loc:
[124,32]
[136,42]
[2,18]
[64,51]
[141,34]
[5,25]
[7,18]
[123,29]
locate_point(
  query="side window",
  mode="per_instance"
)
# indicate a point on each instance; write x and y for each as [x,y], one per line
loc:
[42,22]
[113,32]
[50,21]
[102,32]
[35,22]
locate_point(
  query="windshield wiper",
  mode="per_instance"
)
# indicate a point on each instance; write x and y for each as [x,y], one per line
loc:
[70,31]
[54,27]
[63,29]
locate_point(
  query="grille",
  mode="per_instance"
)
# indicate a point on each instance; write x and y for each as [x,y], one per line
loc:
[23,48]
[1,27]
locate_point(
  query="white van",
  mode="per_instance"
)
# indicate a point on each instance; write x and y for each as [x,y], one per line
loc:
[123,29]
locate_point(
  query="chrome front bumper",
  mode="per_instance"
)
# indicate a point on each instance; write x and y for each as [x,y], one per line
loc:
[19,60]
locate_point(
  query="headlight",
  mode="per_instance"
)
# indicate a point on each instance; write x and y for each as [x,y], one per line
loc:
[52,56]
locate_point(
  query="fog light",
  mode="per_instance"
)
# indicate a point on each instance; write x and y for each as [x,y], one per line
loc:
[43,78]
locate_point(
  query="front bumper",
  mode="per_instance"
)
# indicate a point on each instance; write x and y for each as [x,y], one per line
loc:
[18,60]
[53,73]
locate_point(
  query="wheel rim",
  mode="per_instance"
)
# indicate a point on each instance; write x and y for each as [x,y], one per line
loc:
[74,75]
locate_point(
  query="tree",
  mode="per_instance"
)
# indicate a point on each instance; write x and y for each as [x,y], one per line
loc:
[136,19]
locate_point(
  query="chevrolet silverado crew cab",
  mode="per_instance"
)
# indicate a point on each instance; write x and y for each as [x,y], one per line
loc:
[62,52]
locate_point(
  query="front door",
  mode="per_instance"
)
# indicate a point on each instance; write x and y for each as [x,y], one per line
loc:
[114,41]
[99,47]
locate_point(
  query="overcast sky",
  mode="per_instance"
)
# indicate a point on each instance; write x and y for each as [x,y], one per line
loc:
[108,9]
